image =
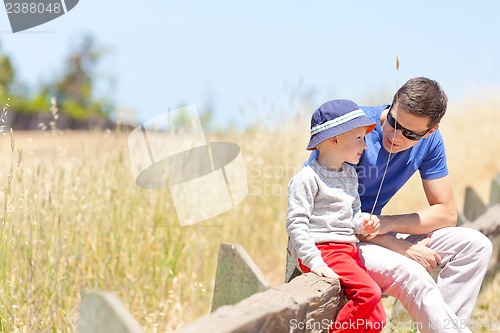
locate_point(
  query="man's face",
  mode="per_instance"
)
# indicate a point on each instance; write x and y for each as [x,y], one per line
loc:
[404,121]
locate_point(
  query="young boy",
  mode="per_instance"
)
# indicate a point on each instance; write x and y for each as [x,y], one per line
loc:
[324,214]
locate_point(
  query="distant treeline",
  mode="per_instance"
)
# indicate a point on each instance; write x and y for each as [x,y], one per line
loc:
[66,101]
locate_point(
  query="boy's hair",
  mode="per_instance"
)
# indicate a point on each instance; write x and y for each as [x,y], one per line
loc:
[422,97]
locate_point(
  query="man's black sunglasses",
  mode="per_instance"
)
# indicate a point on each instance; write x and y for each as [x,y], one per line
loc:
[406,132]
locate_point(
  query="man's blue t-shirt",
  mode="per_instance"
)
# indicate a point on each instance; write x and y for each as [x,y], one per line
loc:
[427,156]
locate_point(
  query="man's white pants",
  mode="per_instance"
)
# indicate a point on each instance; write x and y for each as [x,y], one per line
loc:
[445,305]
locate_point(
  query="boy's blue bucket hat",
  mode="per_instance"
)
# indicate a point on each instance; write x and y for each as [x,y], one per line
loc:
[334,118]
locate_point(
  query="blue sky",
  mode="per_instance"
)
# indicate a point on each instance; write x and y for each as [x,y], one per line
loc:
[165,54]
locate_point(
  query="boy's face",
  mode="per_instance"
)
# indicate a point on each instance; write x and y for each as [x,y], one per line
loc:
[350,145]
[415,127]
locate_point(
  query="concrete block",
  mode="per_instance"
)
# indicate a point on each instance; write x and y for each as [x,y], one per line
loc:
[473,205]
[103,312]
[237,276]
[291,269]
[495,191]
[306,304]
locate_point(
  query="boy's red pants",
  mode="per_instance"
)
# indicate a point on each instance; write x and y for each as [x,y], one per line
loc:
[363,311]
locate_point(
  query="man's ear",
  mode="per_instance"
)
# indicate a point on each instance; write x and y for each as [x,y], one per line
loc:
[431,130]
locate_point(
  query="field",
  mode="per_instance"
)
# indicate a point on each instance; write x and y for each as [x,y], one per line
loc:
[73,219]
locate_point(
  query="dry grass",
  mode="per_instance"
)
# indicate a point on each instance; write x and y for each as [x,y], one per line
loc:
[74,219]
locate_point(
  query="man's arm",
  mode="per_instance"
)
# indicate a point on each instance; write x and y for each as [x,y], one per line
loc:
[418,252]
[441,212]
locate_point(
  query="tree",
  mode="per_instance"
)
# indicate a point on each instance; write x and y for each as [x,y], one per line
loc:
[6,74]
[74,90]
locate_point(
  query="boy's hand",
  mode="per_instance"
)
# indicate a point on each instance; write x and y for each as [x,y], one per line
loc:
[326,272]
[371,227]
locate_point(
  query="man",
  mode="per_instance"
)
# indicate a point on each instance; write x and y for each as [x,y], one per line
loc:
[407,136]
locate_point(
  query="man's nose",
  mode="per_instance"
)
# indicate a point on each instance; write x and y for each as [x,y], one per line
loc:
[397,133]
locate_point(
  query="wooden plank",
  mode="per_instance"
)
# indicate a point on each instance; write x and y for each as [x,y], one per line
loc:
[237,276]
[307,302]
[103,312]
[473,205]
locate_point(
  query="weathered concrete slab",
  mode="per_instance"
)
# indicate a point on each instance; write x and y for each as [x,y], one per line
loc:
[495,191]
[103,312]
[306,304]
[461,219]
[291,271]
[237,276]
[488,223]
[473,205]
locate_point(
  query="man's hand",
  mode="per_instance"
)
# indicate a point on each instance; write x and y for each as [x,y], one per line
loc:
[423,255]
[326,272]
[418,252]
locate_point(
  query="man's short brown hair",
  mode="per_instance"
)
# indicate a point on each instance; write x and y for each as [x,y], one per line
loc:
[422,97]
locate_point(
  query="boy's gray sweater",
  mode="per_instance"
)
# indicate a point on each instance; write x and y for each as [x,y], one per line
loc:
[323,206]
